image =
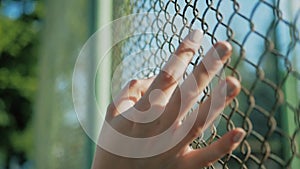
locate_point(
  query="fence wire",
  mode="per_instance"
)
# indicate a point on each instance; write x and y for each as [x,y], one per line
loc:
[265,38]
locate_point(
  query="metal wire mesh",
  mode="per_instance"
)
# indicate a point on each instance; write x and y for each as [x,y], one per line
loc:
[265,41]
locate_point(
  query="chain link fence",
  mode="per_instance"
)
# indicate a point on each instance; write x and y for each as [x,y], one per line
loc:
[265,38]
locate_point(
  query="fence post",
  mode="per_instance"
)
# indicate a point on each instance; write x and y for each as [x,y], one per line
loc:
[291,89]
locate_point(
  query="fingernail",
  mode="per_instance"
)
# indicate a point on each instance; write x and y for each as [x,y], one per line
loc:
[227,88]
[222,49]
[238,137]
[230,89]
[196,36]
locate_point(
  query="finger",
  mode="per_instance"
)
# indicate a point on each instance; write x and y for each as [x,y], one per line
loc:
[199,79]
[128,96]
[167,80]
[208,155]
[211,108]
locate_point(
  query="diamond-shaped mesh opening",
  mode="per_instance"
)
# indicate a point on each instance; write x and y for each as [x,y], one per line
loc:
[265,39]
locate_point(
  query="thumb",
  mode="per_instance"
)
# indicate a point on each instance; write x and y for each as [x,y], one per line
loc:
[206,156]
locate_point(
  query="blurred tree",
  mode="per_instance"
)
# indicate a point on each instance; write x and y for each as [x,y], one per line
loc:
[19,33]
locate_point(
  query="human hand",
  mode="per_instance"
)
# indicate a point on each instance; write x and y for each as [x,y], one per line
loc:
[148,107]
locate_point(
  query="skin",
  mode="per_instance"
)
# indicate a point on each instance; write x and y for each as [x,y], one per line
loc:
[175,99]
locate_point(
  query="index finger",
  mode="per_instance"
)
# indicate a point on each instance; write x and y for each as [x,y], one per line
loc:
[167,80]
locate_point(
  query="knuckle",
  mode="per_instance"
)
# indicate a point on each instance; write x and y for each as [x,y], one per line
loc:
[111,107]
[195,132]
[202,70]
[133,83]
[109,110]
[207,164]
[166,77]
[187,49]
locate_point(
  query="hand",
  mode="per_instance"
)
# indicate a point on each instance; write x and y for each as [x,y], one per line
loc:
[146,108]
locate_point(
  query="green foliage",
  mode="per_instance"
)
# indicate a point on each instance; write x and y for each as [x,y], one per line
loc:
[18,60]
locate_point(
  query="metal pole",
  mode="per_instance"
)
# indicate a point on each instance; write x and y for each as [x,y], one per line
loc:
[290,89]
